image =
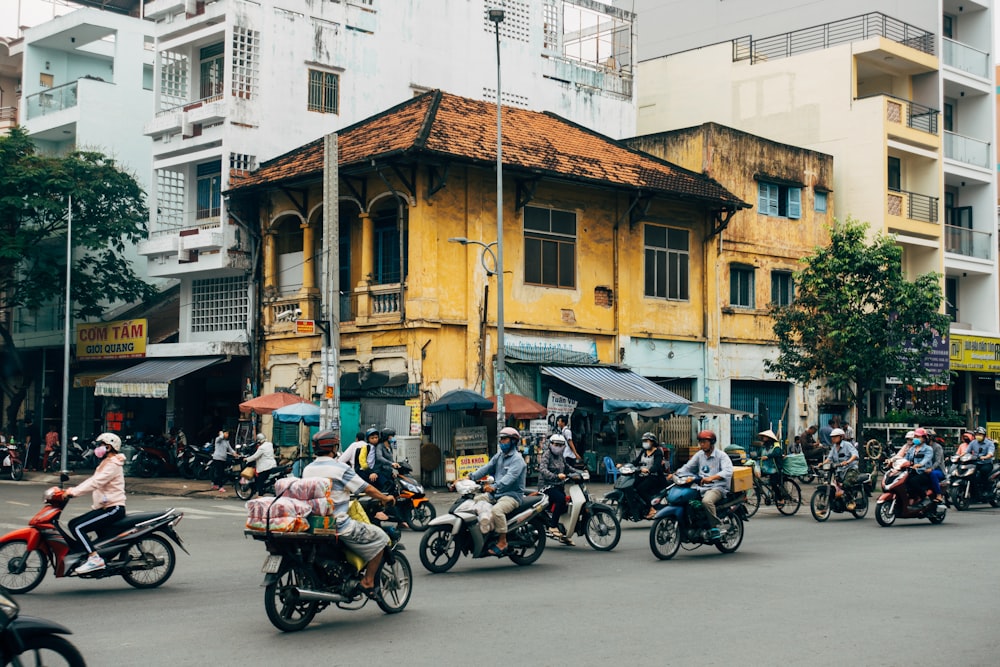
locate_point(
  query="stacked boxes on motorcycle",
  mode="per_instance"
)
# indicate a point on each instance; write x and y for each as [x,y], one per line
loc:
[742,478]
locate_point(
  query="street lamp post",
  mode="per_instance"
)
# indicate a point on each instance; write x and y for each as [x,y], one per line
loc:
[491,270]
[497,16]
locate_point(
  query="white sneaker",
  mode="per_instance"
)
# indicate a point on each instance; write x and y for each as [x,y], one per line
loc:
[95,562]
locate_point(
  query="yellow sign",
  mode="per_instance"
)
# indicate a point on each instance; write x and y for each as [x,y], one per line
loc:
[464,465]
[414,405]
[123,339]
[305,326]
[974,353]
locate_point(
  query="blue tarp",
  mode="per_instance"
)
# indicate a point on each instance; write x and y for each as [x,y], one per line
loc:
[619,389]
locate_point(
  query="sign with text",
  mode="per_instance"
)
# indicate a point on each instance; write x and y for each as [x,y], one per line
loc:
[305,326]
[415,417]
[974,353]
[559,405]
[469,438]
[465,465]
[123,339]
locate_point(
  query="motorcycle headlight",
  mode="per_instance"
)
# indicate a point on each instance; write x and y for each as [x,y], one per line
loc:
[409,487]
[8,608]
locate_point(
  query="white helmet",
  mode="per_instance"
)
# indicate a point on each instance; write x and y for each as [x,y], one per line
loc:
[909,435]
[557,440]
[261,437]
[837,431]
[111,440]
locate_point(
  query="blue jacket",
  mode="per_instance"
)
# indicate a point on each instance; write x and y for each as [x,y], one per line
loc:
[509,472]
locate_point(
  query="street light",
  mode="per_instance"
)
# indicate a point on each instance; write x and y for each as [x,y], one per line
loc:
[488,251]
[497,15]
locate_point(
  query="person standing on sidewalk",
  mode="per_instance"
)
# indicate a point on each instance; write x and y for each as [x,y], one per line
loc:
[562,427]
[220,460]
[51,445]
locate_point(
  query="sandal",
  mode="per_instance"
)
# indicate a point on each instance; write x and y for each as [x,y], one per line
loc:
[370,592]
[494,550]
[651,514]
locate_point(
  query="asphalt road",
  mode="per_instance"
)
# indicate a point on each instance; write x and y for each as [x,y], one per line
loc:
[797,592]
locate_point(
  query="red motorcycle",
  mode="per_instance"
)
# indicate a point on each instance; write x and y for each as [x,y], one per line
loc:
[10,459]
[898,500]
[133,548]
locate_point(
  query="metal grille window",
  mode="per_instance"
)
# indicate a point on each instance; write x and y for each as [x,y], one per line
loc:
[782,288]
[169,199]
[516,24]
[741,286]
[246,62]
[324,92]
[242,162]
[551,24]
[666,253]
[549,247]
[219,304]
[209,190]
[212,70]
[173,79]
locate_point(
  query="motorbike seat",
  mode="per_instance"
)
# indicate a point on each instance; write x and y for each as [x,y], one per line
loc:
[129,521]
[526,503]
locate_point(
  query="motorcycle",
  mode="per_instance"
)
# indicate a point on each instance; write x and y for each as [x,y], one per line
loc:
[30,640]
[825,502]
[78,457]
[458,532]
[966,486]
[153,457]
[246,486]
[678,521]
[198,461]
[133,548]
[304,573]
[10,461]
[412,507]
[896,500]
[624,500]
[597,522]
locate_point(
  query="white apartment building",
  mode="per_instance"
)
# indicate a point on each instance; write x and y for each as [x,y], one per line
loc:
[901,93]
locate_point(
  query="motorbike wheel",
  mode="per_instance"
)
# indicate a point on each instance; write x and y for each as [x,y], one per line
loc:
[49,650]
[145,465]
[602,529]
[995,498]
[184,468]
[665,537]
[202,471]
[395,585]
[959,498]
[284,608]
[21,570]
[936,517]
[752,503]
[439,550]
[616,507]
[884,513]
[860,510]
[151,562]
[819,504]
[732,534]
[793,498]
[531,535]
[421,517]
[245,488]
[16,470]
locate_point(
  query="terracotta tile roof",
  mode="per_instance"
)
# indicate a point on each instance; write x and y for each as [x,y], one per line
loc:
[444,126]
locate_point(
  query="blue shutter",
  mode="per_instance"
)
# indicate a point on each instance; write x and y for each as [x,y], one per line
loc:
[767,199]
[795,203]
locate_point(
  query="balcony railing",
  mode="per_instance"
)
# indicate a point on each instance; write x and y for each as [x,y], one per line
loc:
[824,36]
[51,100]
[968,242]
[916,116]
[963,57]
[915,206]
[967,149]
[8,117]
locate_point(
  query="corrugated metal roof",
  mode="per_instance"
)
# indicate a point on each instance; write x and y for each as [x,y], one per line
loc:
[151,379]
[619,389]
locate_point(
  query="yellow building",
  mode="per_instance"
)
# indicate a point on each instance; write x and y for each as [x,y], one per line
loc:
[602,244]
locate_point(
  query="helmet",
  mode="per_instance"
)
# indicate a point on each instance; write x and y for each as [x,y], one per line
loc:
[649,436]
[261,437]
[509,432]
[557,440]
[919,433]
[111,440]
[370,432]
[707,435]
[910,434]
[387,433]
[966,437]
[837,431]
[980,431]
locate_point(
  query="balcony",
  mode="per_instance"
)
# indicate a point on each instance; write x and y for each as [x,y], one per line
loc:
[8,119]
[51,100]
[968,242]
[965,58]
[374,304]
[281,312]
[967,150]
[912,206]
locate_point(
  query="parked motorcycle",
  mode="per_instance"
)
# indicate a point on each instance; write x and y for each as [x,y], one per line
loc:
[133,548]
[897,501]
[412,507]
[456,533]
[624,500]
[682,520]
[199,461]
[10,461]
[78,456]
[825,502]
[246,486]
[28,640]
[965,486]
[154,457]
[597,522]
[306,572]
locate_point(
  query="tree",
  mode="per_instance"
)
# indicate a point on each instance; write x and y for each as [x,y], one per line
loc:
[109,214]
[856,320]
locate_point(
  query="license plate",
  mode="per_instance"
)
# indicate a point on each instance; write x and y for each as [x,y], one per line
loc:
[271,564]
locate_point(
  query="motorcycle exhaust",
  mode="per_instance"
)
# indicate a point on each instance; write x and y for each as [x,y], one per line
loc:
[319,596]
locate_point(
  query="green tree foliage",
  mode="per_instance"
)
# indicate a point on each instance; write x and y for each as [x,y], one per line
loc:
[856,320]
[109,214]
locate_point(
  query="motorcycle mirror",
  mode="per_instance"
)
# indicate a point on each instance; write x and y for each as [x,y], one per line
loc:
[63,477]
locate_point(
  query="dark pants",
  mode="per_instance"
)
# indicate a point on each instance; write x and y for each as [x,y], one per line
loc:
[219,472]
[92,522]
[261,481]
[557,498]
[649,486]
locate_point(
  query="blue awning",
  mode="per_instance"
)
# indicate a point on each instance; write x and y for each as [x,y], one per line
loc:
[619,389]
[151,379]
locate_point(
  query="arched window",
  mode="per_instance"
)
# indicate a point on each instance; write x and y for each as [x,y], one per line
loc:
[288,254]
[387,264]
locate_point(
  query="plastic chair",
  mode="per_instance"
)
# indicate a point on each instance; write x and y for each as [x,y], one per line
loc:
[610,471]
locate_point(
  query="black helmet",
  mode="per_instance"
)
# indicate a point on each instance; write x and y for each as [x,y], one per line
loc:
[980,431]
[649,436]
[387,433]
[370,432]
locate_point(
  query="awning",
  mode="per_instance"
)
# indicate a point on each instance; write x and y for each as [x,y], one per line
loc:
[151,379]
[619,389]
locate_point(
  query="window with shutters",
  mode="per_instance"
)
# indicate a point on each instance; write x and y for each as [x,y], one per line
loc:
[741,286]
[779,201]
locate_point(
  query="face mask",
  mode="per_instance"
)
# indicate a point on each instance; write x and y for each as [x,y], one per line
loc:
[100,451]
[557,449]
[646,444]
[917,441]
[506,446]
[980,437]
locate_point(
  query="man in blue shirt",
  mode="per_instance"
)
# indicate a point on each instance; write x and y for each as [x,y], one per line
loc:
[921,456]
[984,449]
[715,469]
[507,490]
[844,457]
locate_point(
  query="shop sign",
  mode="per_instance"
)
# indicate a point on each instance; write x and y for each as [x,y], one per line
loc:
[122,339]
[306,327]
[974,353]
[559,405]
[415,417]
[466,465]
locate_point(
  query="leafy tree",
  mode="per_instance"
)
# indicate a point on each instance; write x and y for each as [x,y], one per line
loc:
[856,319]
[109,214]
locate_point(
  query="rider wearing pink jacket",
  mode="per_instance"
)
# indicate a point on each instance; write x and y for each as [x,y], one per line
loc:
[107,485]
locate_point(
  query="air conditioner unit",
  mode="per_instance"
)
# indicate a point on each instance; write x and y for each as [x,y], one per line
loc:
[17,89]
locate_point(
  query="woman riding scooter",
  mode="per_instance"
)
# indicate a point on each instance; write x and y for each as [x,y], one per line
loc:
[108,487]
[552,471]
[652,474]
